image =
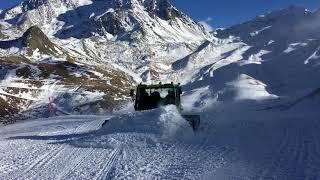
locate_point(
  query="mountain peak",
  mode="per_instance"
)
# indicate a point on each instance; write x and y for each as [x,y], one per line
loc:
[35,40]
[34,31]
[294,23]
[32,4]
[115,19]
[162,8]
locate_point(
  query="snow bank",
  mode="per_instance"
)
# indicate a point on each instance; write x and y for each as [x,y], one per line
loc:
[248,88]
[165,123]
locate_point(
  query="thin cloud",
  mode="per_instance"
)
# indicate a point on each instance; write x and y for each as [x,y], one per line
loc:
[206,25]
[209,19]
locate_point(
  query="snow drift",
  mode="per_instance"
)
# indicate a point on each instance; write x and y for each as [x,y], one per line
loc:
[166,123]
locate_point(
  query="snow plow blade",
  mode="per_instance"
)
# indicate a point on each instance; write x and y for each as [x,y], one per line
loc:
[194,121]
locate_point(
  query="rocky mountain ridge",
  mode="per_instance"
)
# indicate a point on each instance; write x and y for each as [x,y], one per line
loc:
[273,55]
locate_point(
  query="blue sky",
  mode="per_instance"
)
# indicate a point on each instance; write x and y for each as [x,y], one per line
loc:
[222,13]
[8,3]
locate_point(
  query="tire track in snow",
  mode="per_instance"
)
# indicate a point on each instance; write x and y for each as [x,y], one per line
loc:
[81,156]
[143,161]
[92,164]
[31,162]
[19,169]
[311,157]
[314,157]
[301,153]
[103,174]
[276,156]
[44,159]
[185,161]
[66,162]
[170,160]
[31,172]
[295,154]
[15,159]
[69,168]
[36,167]
[72,159]
[316,137]
[299,166]
[141,158]
[285,163]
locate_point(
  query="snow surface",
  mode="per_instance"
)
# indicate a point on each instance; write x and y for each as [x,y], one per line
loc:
[259,31]
[159,144]
[246,87]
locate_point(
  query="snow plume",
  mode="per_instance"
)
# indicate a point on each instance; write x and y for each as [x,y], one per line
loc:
[206,24]
[165,122]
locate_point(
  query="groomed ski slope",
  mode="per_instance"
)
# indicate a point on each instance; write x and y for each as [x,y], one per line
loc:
[233,143]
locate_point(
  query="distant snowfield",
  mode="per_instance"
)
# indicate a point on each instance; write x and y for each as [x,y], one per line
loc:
[232,143]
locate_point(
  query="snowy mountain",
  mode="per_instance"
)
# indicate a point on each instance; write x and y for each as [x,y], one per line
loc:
[266,58]
[76,88]
[294,23]
[255,86]
[33,44]
[131,34]
[121,36]
[125,20]
[109,31]
[274,56]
